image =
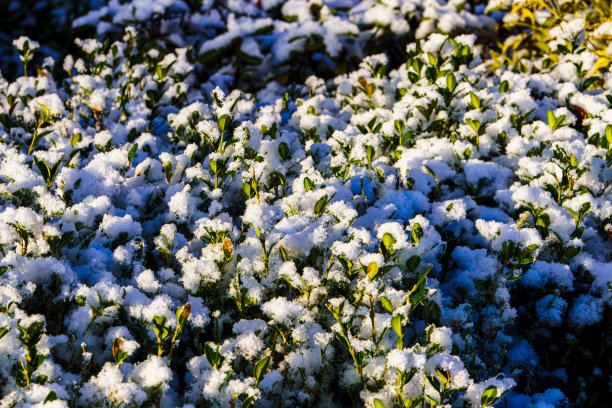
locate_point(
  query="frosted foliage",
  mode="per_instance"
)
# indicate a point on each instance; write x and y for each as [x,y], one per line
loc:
[265,203]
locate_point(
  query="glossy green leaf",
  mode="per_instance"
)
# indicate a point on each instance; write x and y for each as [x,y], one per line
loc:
[261,368]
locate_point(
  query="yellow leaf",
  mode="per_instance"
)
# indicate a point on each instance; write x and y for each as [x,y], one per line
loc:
[602,65]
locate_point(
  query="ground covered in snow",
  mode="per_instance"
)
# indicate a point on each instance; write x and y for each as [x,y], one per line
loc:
[306,203]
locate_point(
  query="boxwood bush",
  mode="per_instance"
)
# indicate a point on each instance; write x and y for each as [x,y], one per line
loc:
[306,203]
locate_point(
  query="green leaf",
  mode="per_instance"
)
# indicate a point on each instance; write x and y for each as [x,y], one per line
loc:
[372,270]
[362,129]
[489,396]
[309,185]
[420,295]
[210,355]
[475,100]
[159,321]
[321,204]
[573,213]
[41,379]
[247,189]
[378,403]
[432,401]
[249,59]
[81,300]
[47,114]
[563,49]
[152,94]
[443,377]
[388,241]
[224,122]
[346,264]
[399,127]
[370,152]
[584,208]
[21,379]
[414,403]
[261,368]
[371,123]
[573,160]
[383,300]
[560,121]
[589,81]
[43,168]
[248,403]
[432,59]
[214,166]
[571,251]
[55,169]
[413,262]
[265,29]
[430,171]
[4,330]
[396,325]
[416,233]
[543,220]
[213,356]
[132,154]
[75,139]
[609,134]
[214,95]
[474,124]
[51,396]
[451,82]
[431,74]
[283,150]
[552,120]
[504,86]
[342,340]
[168,171]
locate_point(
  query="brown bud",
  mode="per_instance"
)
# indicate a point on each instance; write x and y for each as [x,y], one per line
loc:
[117,343]
[363,82]
[186,311]
[227,244]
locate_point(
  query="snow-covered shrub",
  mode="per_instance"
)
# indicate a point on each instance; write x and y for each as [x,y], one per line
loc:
[434,232]
[240,43]
[553,30]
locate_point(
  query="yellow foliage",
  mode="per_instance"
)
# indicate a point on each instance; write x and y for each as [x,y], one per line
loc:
[530,21]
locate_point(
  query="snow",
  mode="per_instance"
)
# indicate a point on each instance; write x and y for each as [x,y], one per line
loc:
[152,372]
[160,282]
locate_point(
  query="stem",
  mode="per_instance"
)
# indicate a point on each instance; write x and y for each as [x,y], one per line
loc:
[372,317]
[160,347]
[176,333]
[38,125]
[358,367]
[329,266]
[219,149]
[25,370]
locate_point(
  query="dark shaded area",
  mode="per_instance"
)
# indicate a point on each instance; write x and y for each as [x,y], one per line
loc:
[48,22]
